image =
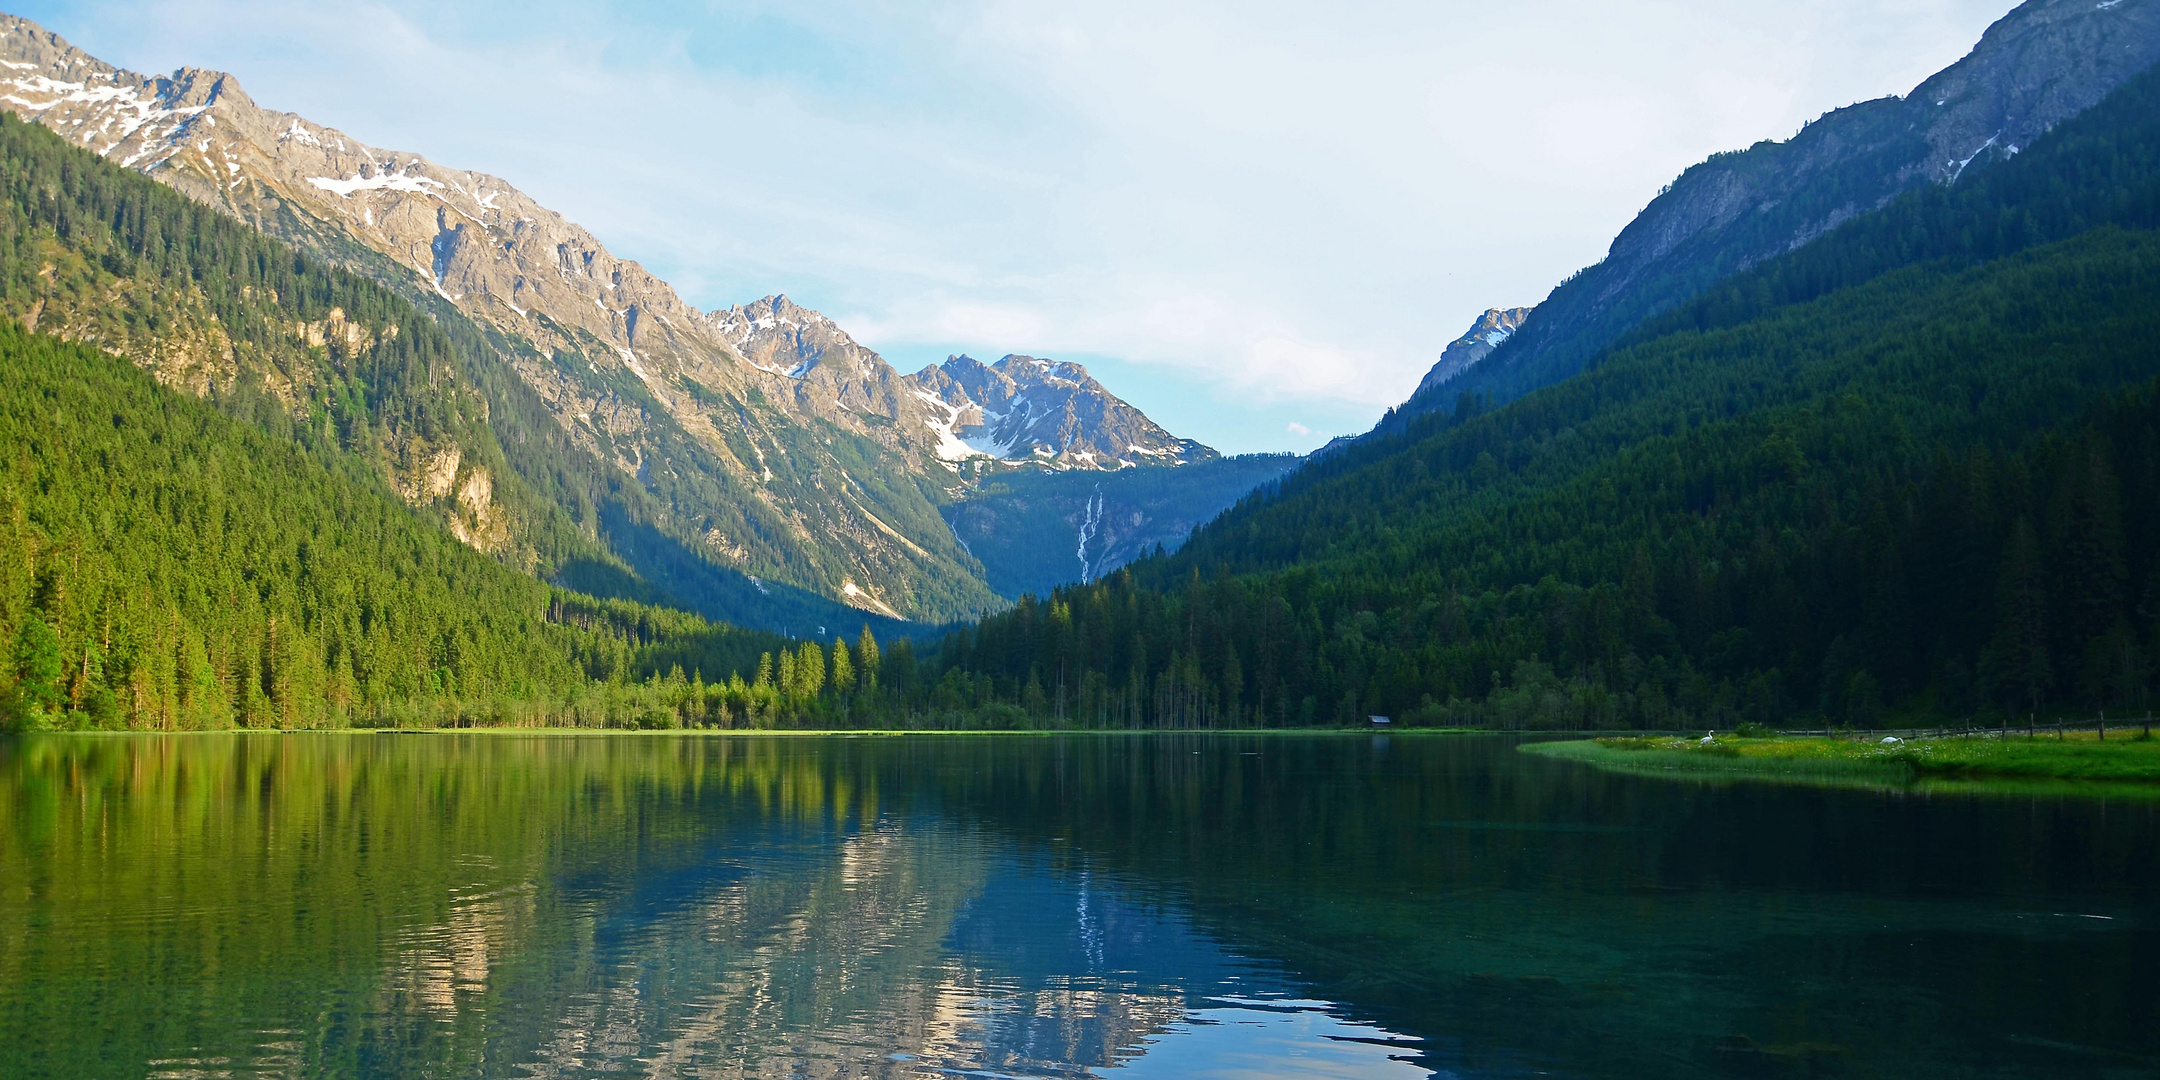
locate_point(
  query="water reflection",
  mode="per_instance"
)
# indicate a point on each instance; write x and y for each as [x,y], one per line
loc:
[507,906]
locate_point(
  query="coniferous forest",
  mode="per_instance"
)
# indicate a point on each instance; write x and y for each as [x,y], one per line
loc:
[1911,470]
[1907,470]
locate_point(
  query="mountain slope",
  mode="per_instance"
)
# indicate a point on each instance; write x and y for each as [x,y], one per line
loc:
[214,308]
[2041,64]
[96,254]
[175,568]
[1913,466]
[1044,412]
[749,476]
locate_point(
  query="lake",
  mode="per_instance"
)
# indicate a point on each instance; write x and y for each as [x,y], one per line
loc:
[501,905]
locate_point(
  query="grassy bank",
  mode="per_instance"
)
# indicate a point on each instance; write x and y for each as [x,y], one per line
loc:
[2123,763]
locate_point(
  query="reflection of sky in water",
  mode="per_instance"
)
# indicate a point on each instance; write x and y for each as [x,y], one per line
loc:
[902,952]
[1089,979]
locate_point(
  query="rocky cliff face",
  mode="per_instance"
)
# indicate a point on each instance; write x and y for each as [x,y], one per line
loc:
[1491,330]
[1046,411]
[2041,64]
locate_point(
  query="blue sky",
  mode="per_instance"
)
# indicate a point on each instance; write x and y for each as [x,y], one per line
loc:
[1260,222]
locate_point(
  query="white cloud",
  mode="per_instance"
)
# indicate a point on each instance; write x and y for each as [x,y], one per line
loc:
[1291,202]
[1297,429]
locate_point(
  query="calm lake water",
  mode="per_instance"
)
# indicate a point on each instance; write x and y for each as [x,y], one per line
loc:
[1158,905]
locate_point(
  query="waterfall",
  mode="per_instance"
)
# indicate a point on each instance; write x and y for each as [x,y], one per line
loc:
[1088,528]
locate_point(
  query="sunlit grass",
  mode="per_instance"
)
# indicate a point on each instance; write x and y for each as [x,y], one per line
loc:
[2125,760]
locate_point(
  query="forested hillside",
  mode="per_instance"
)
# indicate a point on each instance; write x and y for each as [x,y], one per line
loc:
[93,253]
[2042,64]
[169,567]
[1911,467]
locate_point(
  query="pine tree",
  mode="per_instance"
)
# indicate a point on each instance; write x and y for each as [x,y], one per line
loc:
[843,670]
[810,671]
[866,660]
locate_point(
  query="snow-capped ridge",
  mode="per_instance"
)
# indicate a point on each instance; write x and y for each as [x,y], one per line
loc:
[1050,412]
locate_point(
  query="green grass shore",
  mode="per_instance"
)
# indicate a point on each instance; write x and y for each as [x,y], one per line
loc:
[2077,763]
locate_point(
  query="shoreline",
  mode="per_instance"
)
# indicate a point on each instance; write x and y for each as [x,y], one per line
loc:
[2128,766]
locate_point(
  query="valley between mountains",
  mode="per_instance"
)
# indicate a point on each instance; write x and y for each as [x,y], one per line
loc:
[1855,427]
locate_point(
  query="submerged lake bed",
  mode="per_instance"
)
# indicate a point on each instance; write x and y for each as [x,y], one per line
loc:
[1043,906]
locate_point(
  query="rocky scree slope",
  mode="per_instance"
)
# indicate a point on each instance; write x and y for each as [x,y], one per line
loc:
[2044,62]
[752,472]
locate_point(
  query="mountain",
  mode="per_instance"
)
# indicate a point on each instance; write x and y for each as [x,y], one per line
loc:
[2044,62]
[1021,409]
[1037,529]
[1089,483]
[1491,330]
[746,474]
[1909,473]
[754,464]
[1048,412]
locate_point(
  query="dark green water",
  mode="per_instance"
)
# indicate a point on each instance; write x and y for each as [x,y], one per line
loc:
[508,906]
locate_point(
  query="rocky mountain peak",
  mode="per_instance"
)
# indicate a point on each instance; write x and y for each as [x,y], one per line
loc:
[824,371]
[1049,412]
[1488,333]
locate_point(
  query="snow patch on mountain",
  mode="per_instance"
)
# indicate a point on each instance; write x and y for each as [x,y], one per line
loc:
[405,182]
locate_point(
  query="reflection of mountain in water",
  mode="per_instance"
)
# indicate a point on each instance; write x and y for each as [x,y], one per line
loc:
[899,950]
[555,907]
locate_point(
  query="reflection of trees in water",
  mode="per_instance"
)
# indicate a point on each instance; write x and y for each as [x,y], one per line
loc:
[573,906]
[1507,910]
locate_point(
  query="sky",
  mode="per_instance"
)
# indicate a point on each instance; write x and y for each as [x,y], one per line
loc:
[1259,222]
